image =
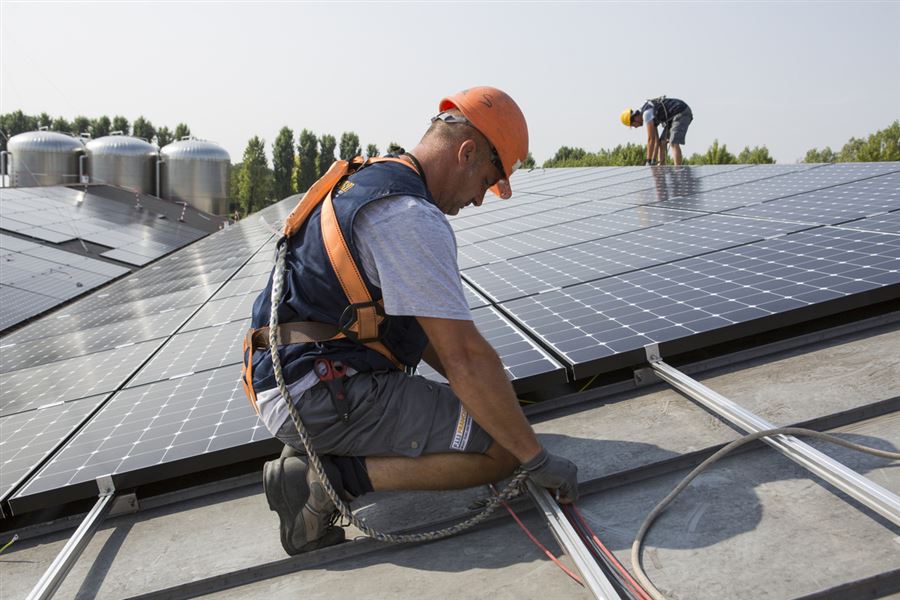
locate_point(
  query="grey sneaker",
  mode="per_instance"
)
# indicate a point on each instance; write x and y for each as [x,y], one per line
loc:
[306,512]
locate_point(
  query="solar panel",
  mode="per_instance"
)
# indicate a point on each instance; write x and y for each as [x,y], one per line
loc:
[153,432]
[29,437]
[707,294]
[18,305]
[73,378]
[584,262]
[529,241]
[833,205]
[58,214]
[818,177]
[888,223]
[526,364]
[45,350]
[195,351]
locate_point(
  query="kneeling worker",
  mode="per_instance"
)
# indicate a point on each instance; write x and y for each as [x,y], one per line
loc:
[673,114]
[375,426]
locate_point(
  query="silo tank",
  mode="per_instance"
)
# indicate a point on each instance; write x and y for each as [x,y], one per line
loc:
[124,161]
[43,158]
[196,172]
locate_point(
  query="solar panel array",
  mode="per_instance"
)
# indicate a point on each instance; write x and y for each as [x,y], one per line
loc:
[55,240]
[569,279]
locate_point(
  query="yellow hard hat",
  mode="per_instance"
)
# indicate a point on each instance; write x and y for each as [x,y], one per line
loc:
[626,117]
[500,120]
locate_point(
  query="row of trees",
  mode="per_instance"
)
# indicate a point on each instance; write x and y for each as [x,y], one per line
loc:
[883,145]
[635,154]
[296,164]
[18,122]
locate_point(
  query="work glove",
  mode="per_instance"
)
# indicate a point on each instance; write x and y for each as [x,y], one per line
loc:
[554,473]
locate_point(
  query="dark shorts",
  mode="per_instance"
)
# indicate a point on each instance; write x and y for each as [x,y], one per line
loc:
[676,132]
[391,414]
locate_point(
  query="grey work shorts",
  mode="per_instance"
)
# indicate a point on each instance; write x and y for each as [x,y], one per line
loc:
[391,414]
[675,133]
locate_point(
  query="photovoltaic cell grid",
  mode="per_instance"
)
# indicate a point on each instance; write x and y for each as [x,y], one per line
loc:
[887,223]
[833,205]
[585,262]
[73,378]
[35,278]
[158,428]
[593,321]
[57,214]
[31,353]
[819,177]
[526,364]
[27,438]
[138,308]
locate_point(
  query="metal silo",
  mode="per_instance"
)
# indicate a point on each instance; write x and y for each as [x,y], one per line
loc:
[43,158]
[196,172]
[122,160]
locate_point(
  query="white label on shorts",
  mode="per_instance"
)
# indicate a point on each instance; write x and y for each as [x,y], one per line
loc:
[463,430]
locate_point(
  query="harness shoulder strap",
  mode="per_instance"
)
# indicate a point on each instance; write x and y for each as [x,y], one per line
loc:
[366,315]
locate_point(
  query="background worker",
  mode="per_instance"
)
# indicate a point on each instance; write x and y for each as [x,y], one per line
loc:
[402,432]
[673,114]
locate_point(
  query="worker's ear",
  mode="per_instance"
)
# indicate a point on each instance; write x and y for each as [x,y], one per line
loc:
[467,153]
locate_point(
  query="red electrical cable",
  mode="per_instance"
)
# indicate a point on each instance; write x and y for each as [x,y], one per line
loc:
[634,585]
[537,543]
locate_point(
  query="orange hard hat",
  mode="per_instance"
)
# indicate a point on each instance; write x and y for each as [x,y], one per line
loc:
[500,120]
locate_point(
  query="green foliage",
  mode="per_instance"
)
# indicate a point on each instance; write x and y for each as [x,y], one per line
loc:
[120,123]
[327,144]
[826,155]
[44,120]
[254,188]
[234,184]
[715,155]
[283,162]
[81,124]
[61,125]
[349,145]
[181,131]
[620,156]
[759,155]
[883,145]
[395,148]
[164,136]
[15,123]
[142,128]
[371,150]
[307,153]
[100,127]
[529,162]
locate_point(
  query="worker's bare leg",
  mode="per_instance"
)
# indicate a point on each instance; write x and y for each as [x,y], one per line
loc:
[663,149]
[445,471]
[676,154]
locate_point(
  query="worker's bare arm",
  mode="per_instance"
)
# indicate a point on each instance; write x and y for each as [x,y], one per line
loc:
[652,140]
[431,357]
[476,375]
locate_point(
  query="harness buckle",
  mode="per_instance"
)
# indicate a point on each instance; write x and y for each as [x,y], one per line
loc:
[331,374]
[350,317]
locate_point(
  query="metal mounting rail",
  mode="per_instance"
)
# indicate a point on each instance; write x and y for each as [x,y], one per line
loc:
[593,578]
[866,491]
[62,564]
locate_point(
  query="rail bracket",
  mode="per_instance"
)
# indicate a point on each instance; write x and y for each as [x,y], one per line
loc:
[652,352]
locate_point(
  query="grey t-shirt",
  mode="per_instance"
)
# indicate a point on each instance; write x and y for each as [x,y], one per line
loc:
[408,249]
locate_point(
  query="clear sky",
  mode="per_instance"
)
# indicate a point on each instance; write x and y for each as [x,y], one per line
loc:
[790,76]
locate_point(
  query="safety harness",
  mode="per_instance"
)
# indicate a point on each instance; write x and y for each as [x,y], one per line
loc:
[361,320]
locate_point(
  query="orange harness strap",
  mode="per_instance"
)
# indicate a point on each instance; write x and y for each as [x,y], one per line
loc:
[366,315]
